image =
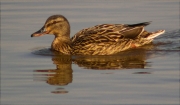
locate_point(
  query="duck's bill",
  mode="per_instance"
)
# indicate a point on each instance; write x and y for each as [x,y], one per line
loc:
[41,32]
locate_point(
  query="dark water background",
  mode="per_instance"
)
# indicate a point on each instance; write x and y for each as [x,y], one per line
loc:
[31,74]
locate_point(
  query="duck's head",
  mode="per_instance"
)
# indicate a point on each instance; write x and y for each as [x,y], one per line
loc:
[56,25]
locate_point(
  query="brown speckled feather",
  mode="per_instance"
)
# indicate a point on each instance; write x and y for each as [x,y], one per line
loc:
[104,39]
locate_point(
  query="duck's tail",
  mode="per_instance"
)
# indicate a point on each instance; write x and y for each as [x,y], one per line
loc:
[155,34]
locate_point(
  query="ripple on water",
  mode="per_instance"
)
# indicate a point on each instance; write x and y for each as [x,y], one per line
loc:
[170,41]
[45,51]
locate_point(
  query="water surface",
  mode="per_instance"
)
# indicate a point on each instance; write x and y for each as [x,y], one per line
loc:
[32,74]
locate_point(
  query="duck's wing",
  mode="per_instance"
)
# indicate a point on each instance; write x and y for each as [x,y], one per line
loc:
[111,31]
[98,31]
[133,30]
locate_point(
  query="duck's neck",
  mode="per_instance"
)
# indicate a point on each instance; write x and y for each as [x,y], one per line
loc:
[62,45]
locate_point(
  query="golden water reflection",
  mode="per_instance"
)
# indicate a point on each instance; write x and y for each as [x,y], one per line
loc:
[63,73]
[125,60]
[61,76]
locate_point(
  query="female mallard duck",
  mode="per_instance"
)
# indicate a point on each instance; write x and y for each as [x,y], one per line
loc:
[104,39]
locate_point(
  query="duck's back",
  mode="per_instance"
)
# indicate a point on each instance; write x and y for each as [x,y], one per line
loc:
[104,39]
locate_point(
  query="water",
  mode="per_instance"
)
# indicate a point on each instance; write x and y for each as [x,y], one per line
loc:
[32,74]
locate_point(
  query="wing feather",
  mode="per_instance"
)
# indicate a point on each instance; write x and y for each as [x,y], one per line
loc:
[100,39]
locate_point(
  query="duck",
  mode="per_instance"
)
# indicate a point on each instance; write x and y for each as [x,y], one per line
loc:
[103,39]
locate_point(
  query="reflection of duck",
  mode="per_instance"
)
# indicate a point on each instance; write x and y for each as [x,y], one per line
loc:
[62,75]
[102,39]
[125,60]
